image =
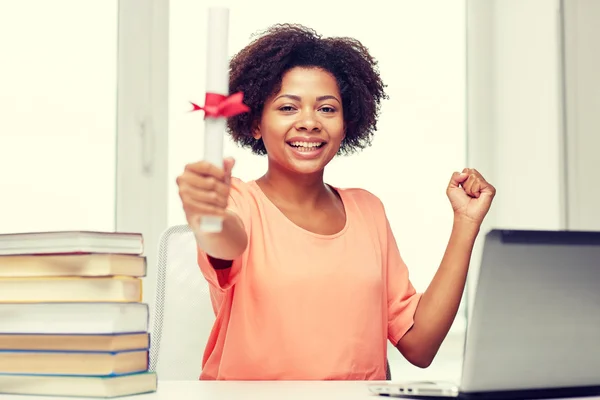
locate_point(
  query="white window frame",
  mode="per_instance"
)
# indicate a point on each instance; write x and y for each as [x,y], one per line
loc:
[580,116]
[142,126]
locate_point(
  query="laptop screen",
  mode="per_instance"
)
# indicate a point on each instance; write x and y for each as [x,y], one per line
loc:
[536,313]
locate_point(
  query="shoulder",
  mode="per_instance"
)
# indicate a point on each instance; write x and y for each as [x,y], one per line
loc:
[246,189]
[368,209]
[241,195]
[240,186]
[366,205]
[362,197]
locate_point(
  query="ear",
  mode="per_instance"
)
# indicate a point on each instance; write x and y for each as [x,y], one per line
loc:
[256,134]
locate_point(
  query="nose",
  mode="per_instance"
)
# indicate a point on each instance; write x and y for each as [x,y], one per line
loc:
[307,122]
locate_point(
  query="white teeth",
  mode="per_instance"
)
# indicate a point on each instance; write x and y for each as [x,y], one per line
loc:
[306,144]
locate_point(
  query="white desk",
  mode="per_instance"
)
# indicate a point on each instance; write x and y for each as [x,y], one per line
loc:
[211,390]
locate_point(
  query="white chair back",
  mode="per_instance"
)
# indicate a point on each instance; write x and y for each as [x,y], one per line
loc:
[183,313]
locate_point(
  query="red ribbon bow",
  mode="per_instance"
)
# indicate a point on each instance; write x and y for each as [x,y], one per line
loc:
[218,105]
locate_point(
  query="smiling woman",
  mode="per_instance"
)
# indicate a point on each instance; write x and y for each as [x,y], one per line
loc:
[299,94]
[289,233]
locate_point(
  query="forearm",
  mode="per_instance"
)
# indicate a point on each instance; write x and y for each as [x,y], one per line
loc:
[227,244]
[440,302]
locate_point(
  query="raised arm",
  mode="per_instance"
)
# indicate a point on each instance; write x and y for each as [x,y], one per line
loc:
[471,197]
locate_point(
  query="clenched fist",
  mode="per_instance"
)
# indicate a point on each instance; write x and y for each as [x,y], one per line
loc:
[204,190]
[470,195]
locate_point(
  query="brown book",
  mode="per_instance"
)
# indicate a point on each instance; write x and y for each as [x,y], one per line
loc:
[72,363]
[72,265]
[104,343]
[70,289]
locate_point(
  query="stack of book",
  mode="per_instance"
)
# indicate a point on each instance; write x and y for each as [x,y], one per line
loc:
[72,321]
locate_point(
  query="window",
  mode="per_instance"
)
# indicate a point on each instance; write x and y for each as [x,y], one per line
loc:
[57,115]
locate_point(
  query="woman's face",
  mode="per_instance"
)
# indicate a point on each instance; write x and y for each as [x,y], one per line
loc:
[302,126]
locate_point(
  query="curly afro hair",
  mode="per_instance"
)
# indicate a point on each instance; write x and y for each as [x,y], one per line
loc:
[258,69]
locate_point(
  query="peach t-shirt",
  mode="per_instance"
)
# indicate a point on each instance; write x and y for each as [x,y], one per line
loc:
[302,306]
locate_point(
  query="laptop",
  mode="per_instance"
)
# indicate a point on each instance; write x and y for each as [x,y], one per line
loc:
[535,327]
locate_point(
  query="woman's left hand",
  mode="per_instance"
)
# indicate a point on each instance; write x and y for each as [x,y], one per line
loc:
[470,195]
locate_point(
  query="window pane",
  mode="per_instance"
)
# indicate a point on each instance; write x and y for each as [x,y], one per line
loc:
[57,114]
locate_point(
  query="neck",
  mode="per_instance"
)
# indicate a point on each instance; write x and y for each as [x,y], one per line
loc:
[304,190]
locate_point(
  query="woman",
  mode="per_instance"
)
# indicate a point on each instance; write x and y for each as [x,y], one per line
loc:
[306,278]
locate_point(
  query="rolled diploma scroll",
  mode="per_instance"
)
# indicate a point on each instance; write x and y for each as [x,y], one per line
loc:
[217,81]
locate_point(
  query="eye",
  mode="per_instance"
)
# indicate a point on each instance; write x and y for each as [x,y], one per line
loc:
[327,109]
[286,108]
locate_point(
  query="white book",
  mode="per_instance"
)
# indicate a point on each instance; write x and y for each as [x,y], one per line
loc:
[66,242]
[79,386]
[73,318]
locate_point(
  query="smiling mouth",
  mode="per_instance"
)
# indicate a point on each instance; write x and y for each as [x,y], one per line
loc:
[306,146]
